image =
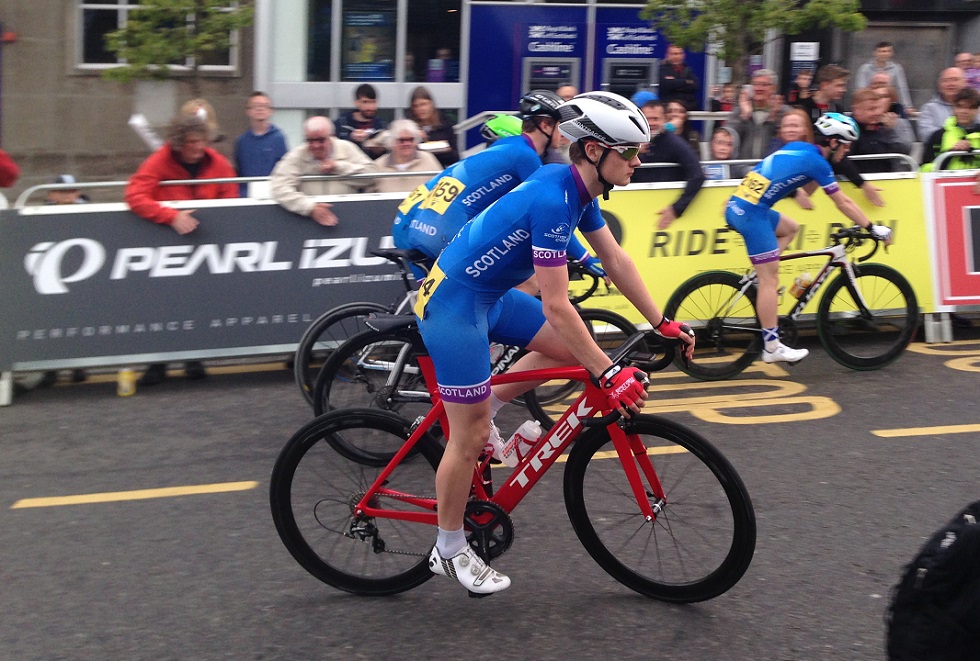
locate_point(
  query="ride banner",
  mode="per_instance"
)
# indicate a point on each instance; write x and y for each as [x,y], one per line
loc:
[96,285]
[700,241]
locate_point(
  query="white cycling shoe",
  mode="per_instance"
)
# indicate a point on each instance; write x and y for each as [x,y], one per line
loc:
[470,570]
[784,354]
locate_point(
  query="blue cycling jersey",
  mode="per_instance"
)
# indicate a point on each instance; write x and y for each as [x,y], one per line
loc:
[433,214]
[749,210]
[468,298]
[793,166]
[532,225]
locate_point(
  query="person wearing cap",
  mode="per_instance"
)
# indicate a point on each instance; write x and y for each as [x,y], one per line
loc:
[469,300]
[65,195]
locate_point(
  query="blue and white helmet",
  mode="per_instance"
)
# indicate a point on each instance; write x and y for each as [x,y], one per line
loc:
[837,125]
[609,118]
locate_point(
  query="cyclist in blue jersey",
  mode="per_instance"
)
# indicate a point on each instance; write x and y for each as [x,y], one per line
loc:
[468,299]
[767,232]
[433,214]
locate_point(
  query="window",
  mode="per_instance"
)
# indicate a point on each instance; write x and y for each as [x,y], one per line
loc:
[97,19]
[368,40]
[433,41]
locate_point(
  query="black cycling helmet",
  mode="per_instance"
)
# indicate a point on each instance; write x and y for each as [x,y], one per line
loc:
[540,103]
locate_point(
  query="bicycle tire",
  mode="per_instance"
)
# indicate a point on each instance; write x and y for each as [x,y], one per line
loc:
[547,402]
[725,324]
[327,332]
[869,342]
[314,485]
[702,541]
[357,374]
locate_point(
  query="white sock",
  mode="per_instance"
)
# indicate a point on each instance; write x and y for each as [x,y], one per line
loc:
[450,542]
[495,405]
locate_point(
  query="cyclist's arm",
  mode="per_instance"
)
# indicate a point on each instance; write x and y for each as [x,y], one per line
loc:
[564,318]
[622,271]
[849,208]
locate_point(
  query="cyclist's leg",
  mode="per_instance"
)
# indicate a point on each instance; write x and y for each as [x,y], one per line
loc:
[519,320]
[766,233]
[455,330]
[760,227]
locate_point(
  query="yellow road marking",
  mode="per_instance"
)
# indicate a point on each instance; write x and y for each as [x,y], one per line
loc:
[176,373]
[926,431]
[142,494]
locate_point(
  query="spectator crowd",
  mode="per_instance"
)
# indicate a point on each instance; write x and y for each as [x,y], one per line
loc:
[758,120]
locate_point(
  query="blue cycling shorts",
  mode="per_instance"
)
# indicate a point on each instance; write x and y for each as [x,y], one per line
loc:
[757,225]
[458,325]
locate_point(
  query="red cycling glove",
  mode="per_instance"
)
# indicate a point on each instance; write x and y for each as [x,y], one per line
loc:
[672,329]
[622,387]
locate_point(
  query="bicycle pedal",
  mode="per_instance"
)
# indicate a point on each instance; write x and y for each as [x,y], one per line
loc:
[477,595]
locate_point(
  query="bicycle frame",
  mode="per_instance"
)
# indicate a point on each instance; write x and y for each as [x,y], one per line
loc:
[545,452]
[836,259]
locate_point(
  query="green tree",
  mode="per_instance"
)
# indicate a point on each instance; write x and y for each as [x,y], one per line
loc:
[162,33]
[738,27]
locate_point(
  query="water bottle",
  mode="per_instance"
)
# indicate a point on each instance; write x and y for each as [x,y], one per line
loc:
[126,382]
[800,284]
[519,443]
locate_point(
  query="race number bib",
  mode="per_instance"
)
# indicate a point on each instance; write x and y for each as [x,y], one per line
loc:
[446,190]
[752,188]
[413,198]
[427,288]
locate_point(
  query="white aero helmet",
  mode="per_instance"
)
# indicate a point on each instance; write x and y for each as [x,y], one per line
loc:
[609,118]
[837,125]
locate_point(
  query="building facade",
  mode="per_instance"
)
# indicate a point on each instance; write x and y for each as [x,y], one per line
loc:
[58,115]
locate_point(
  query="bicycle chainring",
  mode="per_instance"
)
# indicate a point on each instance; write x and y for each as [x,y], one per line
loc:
[489,529]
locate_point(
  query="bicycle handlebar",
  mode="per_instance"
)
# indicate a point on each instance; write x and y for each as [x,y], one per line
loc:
[622,353]
[578,272]
[853,237]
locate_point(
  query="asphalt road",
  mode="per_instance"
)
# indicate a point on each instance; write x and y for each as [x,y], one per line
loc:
[849,472]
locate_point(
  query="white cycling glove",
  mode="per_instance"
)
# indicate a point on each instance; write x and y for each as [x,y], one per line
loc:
[880,232]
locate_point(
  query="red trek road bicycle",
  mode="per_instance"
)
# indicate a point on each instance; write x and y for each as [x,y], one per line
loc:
[654,503]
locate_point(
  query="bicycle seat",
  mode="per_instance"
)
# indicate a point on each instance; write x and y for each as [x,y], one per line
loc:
[398,256]
[383,322]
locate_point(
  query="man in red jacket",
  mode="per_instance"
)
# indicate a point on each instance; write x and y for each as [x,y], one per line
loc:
[185,156]
[9,172]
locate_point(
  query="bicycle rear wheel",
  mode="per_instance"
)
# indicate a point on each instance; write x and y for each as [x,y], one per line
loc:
[326,333]
[867,338]
[724,321]
[548,401]
[315,485]
[374,370]
[701,542]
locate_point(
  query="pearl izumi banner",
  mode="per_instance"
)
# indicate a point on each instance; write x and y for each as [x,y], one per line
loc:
[95,285]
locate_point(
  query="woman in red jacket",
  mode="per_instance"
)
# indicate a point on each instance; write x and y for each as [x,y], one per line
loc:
[185,156]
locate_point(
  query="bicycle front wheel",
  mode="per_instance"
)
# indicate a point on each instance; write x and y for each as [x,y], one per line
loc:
[315,485]
[723,317]
[702,540]
[867,325]
[326,333]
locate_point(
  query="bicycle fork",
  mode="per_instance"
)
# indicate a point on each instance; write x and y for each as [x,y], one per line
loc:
[633,455]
